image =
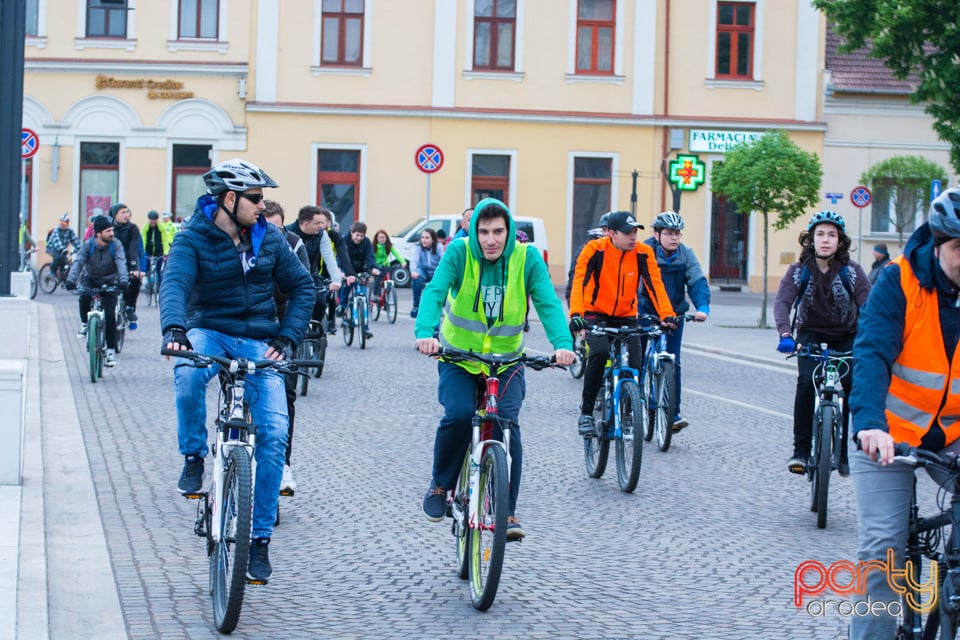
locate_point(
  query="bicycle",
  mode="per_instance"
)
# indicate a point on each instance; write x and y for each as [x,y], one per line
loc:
[312,349]
[225,513]
[151,282]
[481,502]
[356,314]
[50,280]
[386,300]
[619,413]
[25,266]
[924,537]
[96,329]
[582,351]
[827,440]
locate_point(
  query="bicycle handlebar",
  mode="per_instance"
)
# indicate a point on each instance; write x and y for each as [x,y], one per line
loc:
[233,365]
[498,361]
[818,352]
[104,288]
[922,457]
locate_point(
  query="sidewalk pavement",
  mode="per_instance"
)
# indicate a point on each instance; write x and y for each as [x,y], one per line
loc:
[52,542]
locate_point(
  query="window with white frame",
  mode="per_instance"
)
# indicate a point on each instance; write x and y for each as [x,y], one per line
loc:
[896,209]
[107,18]
[33,18]
[735,42]
[596,32]
[342,33]
[494,34]
[198,19]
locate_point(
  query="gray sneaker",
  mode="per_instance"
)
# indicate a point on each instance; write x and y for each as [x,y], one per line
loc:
[585,425]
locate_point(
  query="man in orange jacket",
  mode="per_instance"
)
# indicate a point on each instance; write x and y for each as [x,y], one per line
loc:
[609,272]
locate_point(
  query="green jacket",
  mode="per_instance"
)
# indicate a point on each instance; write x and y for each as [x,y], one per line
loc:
[167,231]
[384,260]
[449,276]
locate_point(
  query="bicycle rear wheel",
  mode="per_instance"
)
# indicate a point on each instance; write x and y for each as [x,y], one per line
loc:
[34,283]
[488,538]
[391,305]
[375,309]
[93,346]
[231,553]
[348,327]
[630,443]
[461,528]
[48,279]
[666,387]
[121,329]
[321,355]
[821,478]
[596,448]
[305,352]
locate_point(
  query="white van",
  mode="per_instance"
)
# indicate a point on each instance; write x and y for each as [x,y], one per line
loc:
[406,241]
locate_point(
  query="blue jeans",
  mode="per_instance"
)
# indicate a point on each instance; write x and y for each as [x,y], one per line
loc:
[268,405]
[457,392]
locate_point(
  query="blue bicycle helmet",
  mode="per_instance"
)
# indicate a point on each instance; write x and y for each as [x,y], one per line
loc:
[832,217]
[945,214]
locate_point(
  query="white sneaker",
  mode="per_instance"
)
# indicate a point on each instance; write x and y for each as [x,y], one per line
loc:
[83,330]
[288,486]
[111,358]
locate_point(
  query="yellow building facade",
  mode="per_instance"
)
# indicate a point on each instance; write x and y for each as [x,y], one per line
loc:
[563,108]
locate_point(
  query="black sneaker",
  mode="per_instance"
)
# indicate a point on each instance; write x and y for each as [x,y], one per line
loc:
[191,479]
[435,503]
[585,425]
[843,468]
[367,335]
[259,569]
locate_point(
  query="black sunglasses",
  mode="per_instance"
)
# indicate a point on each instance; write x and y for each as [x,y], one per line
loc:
[255,198]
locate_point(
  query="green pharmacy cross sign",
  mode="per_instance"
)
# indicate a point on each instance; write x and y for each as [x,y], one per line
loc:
[687,172]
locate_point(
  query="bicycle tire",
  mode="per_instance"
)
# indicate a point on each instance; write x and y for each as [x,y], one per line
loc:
[322,355]
[34,283]
[48,279]
[400,277]
[648,391]
[121,329]
[347,329]
[375,309]
[488,539]
[824,462]
[579,363]
[666,387]
[231,554]
[461,529]
[392,305]
[630,442]
[93,346]
[362,325]
[102,348]
[596,448]
[305,352]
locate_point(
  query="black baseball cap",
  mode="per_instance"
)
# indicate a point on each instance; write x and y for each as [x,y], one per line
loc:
[623,221]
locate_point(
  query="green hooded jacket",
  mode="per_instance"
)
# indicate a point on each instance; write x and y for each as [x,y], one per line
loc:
[449,276]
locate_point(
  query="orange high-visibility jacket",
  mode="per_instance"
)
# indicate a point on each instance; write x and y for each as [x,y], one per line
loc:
[921,378]
[606,280]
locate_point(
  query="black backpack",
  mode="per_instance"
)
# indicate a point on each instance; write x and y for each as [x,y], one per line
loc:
[805,281]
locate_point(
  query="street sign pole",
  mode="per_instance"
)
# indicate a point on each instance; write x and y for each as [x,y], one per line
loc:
[428,197]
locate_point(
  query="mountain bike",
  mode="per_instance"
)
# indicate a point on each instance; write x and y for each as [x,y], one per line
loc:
[582,351]
[151,281]
[924,539]
[225,508]
[96,329]
[387,300]
[50,279]
[825,449]
[619,414]
[25,266]
[481,502]
[312,349]
[356,313]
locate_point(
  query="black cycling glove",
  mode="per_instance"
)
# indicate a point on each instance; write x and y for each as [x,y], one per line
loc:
[577,324]
[176,335]
[71,286]
[283,345]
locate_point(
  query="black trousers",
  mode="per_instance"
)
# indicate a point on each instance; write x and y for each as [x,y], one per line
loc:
[109,301]
[599,348]
[803,403]
[132,292]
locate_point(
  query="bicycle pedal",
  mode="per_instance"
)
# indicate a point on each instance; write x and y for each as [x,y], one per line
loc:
[520,539]
[193,496]
[286,492]
[256,583]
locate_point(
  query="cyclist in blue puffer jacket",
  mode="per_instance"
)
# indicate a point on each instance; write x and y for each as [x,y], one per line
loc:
[218,296]
[681,275]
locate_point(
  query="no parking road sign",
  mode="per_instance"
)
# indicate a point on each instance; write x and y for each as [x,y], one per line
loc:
[429,158]
[29,143]
[860,197]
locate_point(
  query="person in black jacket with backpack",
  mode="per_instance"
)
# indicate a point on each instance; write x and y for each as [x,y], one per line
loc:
[825,290]
[129,236]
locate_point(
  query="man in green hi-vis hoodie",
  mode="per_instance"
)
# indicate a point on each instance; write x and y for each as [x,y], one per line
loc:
[484,280]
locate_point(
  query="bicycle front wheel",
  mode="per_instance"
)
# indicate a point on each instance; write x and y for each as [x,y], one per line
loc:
[121,326]
[488,537]
[321,355]
[821,478]
[231,553]
[34,283]
[391,305]
[461,528]
[93,346]
[375,309]
[630,443]
[596,448]
[666,386]
[305,352]
[348,326]
[48,279]
[576,369]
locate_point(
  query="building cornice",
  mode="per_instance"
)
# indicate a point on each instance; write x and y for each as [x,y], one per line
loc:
[528,115]
[136,67]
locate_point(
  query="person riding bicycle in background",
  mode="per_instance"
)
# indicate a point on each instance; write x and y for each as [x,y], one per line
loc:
[100,261]
[682,276]
[826,289]
[309,228]
[609,272]
[598,231]
[386,256]
[483,281]
[362,259]
[218,297]
[129,236]
[273,214]
[904,391]
[156,242]
[340,261]
[59,241]
[426,257]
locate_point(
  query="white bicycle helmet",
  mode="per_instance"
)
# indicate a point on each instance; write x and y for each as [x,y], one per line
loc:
[236,175]
[668,220]
[945,214]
